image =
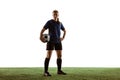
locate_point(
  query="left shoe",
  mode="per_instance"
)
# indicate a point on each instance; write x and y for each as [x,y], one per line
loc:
[61,72]
[47,74]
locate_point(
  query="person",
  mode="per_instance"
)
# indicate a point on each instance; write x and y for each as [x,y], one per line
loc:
[54,27]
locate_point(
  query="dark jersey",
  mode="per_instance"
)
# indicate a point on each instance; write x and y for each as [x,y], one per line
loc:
[54,30]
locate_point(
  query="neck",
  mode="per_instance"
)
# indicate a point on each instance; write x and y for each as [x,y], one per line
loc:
[55,19]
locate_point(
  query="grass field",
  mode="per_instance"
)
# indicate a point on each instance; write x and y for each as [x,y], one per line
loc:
[72,74]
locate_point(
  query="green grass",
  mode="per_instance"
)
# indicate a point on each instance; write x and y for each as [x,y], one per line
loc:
[72,74]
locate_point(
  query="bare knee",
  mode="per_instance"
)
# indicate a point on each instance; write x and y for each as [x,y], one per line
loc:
[59,56]
[59,53]
[49,53]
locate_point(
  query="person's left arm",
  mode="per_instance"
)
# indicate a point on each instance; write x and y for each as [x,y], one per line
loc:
[64,32]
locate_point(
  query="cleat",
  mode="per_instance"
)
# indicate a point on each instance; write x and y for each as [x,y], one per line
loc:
[61,73]
[47,74]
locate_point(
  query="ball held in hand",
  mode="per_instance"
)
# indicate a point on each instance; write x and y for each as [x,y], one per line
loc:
[46,37]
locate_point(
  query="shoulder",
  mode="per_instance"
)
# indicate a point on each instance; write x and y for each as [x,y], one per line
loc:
[61,23]
[51,20]
[48,22]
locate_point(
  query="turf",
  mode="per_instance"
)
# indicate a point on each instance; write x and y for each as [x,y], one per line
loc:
[72,74]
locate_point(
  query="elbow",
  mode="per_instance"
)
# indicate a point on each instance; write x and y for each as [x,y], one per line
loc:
[64,31]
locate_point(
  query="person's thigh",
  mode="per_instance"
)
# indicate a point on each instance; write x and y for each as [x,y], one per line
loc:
[58,46]
[50,46]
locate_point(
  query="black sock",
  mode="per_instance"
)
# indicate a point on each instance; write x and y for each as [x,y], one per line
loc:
[46,64]
[59,63]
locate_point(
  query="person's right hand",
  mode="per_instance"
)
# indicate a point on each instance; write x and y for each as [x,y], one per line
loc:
[42,39]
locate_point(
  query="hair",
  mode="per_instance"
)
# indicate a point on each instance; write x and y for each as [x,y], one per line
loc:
[56,11]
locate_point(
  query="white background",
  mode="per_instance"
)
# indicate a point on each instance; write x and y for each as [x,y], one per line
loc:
[92,40]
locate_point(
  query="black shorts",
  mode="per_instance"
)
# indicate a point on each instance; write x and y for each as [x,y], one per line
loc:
[54,46]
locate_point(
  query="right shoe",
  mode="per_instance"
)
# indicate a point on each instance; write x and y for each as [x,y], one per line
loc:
[47,74]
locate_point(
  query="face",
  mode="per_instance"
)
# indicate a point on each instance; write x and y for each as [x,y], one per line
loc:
[55,15]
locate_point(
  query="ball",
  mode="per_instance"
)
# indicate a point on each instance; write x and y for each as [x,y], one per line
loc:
[46,37]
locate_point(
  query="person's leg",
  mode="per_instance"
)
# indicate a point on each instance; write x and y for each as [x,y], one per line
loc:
[58,48]
[49,49]
[47,59]
[59,60]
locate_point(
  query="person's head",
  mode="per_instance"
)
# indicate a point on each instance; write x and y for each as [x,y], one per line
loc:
[55,14]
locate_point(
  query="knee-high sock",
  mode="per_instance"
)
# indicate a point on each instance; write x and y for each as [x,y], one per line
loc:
[59,63]
[46,64]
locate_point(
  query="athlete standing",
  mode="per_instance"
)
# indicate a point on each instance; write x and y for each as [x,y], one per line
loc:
[54,27]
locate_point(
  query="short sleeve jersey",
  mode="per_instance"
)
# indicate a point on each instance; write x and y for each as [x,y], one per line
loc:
[54,30]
